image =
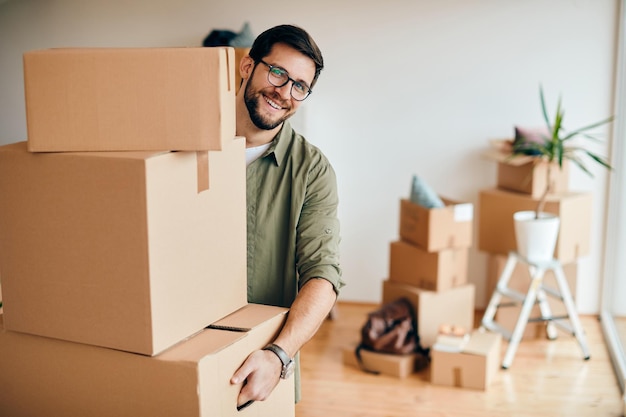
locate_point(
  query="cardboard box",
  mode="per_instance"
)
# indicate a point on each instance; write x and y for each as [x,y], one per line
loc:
[520,281]
[496,232]
[435,271]
[475,367]
[525,173]
[119,249]
[399,366]
[435,229]
[50,377]
[454,306]
[532,177]
[129,99]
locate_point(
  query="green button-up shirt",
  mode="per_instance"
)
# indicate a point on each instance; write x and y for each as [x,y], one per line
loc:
[293,230]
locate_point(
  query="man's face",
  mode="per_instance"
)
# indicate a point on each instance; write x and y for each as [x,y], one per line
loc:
[269,106]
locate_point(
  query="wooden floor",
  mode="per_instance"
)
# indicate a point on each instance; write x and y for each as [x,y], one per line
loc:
[547,378]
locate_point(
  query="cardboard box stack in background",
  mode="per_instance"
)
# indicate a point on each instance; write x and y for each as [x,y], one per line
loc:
[429,266]
[116,256]
[519,184]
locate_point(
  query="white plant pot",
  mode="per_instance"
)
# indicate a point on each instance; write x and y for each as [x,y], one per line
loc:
[536,238]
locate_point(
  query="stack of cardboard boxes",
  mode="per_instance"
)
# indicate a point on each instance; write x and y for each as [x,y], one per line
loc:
[429,266]
[123,240]
[520,183]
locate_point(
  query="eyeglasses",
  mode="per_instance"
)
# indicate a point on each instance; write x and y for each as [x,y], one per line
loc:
[278,77]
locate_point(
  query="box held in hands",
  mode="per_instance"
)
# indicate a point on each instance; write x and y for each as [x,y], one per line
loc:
[50,377]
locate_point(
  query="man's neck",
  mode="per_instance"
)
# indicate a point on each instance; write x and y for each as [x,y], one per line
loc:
[255,136]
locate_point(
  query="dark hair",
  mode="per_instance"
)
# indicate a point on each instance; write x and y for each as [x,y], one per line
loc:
[290,35]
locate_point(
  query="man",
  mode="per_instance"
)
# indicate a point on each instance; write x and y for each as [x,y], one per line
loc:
[293,230]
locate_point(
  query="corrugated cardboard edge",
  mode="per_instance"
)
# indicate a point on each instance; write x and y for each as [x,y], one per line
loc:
[247,317]
[481,343]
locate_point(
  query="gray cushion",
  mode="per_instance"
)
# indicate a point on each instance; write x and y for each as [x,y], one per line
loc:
[424,195]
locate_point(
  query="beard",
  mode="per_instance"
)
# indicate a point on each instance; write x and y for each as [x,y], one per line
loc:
[252,99]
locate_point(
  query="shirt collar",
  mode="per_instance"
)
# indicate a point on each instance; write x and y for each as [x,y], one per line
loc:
[280,143]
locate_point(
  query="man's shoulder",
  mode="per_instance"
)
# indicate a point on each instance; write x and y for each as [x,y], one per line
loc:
[294,148]
[303,148]
[309,147]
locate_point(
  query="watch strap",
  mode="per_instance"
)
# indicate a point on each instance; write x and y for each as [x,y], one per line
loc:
[280,352]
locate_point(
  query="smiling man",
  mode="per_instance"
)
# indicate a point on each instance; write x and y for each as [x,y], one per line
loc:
[293,230]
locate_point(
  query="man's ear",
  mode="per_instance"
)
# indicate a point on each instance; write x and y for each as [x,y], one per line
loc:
[245,67]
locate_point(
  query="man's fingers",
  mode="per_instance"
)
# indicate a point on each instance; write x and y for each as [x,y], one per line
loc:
[258,375]
[242,373]
[245,398]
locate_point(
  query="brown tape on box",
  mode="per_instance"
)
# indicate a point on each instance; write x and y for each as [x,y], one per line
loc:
[202,158]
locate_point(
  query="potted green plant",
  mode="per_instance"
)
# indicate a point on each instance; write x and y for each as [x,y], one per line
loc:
[554,147]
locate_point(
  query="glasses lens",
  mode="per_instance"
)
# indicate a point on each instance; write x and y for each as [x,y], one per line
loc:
[299,91]
[277,77]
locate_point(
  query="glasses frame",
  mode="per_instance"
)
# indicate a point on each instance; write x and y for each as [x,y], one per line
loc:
[293,82]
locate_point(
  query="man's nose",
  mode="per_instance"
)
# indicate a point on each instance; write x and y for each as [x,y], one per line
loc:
[285,90]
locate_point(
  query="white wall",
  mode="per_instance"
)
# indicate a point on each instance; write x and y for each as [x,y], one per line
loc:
[410,87]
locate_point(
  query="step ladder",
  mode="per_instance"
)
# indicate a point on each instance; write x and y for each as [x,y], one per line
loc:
[537,294]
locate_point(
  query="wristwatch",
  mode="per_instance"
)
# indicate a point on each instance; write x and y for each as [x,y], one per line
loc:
[288,363]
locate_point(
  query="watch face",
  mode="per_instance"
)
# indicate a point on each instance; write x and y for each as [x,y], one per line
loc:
[288,370]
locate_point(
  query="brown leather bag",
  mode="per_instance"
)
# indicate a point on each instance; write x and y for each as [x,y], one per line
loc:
[391,329]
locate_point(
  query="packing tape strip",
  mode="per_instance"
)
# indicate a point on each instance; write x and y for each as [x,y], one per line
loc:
[202,160]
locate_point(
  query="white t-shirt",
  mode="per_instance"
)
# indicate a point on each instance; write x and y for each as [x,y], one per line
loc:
[252,154]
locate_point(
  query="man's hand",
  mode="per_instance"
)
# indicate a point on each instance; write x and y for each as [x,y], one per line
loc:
[260,374]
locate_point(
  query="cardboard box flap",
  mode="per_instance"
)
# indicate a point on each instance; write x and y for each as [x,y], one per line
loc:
[480,343]
[206,342]
[455,210]
[460,212]
[248,317]
[501,152]
[463,212]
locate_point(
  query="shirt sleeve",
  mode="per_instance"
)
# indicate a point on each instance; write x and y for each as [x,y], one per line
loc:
[318,235]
